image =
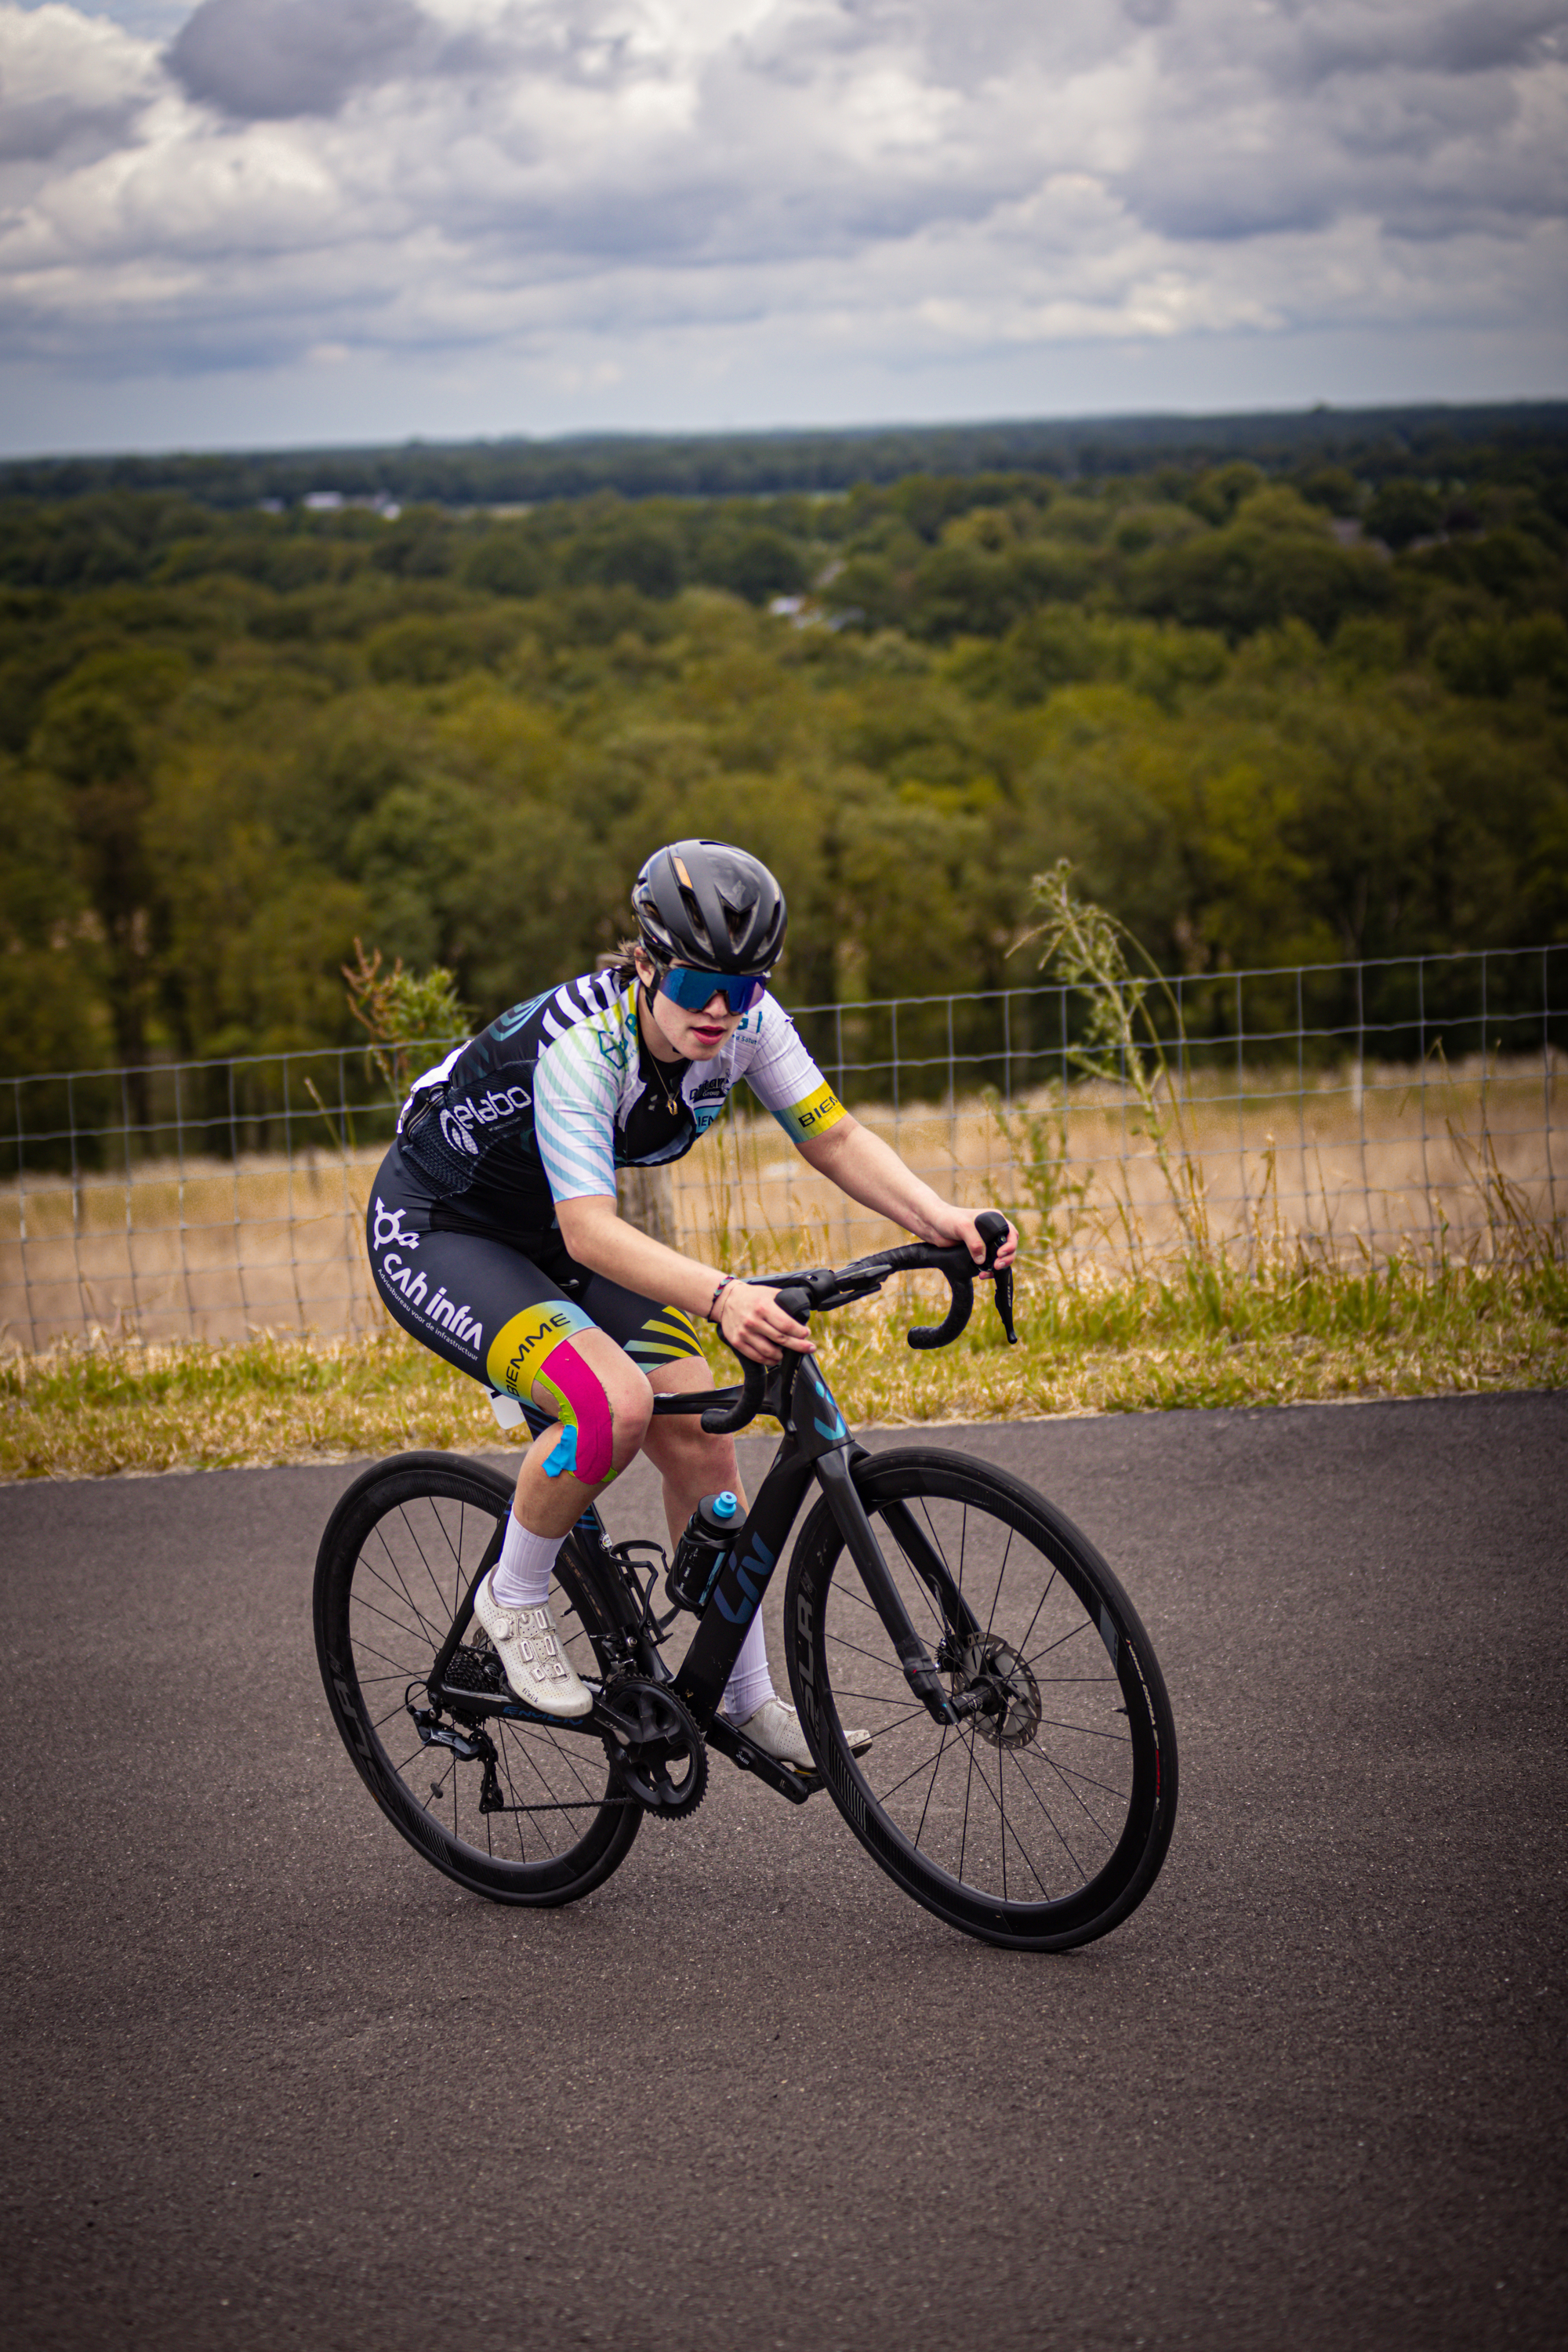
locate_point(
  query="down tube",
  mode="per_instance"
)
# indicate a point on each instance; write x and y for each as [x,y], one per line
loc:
[742,1581]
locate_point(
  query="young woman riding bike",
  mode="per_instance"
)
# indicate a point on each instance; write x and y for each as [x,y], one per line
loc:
[495,1238]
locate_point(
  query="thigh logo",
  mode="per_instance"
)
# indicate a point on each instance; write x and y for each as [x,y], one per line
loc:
[389,1229]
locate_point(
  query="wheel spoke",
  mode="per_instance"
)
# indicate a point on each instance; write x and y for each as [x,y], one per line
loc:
[936,1767]
[1000,1802]
[1057,1830]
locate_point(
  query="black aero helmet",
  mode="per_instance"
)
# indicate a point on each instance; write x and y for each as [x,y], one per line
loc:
[711,906]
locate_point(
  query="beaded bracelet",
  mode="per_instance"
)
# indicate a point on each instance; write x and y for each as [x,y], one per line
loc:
[718,1294]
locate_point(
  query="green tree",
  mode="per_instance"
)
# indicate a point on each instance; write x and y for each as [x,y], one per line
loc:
[53,1012]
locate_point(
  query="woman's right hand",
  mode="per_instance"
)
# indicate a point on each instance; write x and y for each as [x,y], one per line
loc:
[751,1321]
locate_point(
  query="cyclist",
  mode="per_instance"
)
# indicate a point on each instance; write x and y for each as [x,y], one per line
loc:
[495,1239]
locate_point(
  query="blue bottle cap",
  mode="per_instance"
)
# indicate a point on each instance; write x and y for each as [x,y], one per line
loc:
[725,1506]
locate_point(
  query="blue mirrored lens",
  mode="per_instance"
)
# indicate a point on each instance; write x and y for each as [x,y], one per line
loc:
[692,990]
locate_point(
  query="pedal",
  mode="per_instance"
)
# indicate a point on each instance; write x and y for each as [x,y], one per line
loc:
[747,1757]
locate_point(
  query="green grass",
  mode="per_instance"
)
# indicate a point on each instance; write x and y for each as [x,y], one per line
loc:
[1202,1334]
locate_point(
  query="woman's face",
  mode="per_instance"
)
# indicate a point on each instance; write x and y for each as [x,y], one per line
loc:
[694,1036]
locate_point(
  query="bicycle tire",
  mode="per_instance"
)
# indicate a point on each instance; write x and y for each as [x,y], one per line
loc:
[1043,1824]
[394,1562]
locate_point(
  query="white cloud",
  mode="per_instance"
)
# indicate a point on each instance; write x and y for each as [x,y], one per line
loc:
[68,83]
[576,192]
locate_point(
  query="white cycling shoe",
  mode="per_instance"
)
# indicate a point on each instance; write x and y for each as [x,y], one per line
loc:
[774,1727]
[530,1648]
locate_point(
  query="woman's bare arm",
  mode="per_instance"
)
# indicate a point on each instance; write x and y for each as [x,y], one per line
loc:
[871,1172]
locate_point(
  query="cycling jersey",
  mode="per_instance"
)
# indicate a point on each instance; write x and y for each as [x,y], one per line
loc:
[558,1093]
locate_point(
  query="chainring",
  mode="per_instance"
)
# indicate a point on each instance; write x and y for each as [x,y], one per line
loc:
[648,1736]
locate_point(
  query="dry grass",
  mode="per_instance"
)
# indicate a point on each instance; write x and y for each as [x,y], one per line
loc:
[95,1408]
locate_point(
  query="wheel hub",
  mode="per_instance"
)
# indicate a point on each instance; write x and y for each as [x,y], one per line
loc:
[1009,1712]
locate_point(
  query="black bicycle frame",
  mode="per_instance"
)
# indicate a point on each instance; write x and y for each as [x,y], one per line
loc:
[816,1448]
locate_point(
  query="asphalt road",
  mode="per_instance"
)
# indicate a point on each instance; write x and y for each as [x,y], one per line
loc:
[270,2080]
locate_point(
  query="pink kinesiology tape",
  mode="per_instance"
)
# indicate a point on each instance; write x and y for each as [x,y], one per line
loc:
[583,1402]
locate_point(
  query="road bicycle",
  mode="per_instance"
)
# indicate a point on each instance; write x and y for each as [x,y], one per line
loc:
[1021,1780]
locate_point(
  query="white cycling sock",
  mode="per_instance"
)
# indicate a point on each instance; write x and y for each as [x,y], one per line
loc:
[521,1578]
[750,1683]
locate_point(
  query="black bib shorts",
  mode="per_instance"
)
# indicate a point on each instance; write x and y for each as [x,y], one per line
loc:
[485,1300]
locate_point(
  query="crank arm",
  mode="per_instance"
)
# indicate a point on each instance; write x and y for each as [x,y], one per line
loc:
[919,1669]
[747,1757]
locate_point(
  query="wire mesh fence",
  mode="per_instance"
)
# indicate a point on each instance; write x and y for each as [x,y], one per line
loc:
[1360,1107]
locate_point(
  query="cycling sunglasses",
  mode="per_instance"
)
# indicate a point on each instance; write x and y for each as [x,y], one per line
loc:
[691,989]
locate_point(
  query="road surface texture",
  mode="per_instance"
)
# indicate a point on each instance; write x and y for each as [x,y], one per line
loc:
[271,2081]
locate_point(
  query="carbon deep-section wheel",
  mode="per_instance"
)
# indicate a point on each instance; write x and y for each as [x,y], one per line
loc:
[1041,1820]
[519,1811]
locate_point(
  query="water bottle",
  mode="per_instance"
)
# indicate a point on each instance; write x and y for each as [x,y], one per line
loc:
[705,1543]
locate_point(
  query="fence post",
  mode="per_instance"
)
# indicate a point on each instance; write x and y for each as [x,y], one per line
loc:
[1546,1078]
[645,1196]
[22,1225]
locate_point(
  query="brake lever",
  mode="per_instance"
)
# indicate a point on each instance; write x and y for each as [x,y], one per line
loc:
[1003,1281]
[991,1227]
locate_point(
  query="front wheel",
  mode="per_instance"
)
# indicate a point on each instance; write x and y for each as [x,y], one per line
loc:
[1041,1819]
[522,1812]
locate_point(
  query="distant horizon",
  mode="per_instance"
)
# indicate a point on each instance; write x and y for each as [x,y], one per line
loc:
[598,436]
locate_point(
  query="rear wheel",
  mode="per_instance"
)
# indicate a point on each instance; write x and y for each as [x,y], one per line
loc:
[1040,1819]
[518,1812]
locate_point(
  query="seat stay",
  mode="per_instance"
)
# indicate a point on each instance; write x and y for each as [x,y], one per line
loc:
[464,1617]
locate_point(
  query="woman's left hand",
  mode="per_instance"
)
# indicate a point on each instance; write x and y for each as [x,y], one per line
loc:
[955,1224]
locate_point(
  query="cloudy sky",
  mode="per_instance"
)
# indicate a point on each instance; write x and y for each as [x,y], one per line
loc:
[273,221]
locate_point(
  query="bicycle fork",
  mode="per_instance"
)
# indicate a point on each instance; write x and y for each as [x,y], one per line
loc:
[835,1453]
[921,1671]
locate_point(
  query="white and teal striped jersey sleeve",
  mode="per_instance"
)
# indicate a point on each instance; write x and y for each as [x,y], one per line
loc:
[772,1057]
[576,1089]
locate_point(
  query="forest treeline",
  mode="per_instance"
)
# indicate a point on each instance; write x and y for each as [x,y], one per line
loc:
[1272,716]
[1519,438]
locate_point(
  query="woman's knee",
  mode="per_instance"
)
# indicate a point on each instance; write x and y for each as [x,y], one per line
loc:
[604,1402]
[631,1409]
